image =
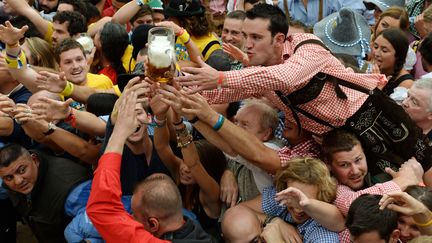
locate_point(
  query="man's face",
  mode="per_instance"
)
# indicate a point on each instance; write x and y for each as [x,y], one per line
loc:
[146,19]
[260,45]
[232,32]
[409,230]
[158,16]
[48,6]
[21,175]
[60,32]
[311,191]
[141,130]
[74,64]
[416,105]
[350,167]
[249,118]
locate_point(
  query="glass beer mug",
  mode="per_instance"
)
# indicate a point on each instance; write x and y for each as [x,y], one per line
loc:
[161,55]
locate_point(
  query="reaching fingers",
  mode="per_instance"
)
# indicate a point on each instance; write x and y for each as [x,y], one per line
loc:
[132,83]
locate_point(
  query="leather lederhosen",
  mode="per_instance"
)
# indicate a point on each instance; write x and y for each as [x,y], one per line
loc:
[388,135]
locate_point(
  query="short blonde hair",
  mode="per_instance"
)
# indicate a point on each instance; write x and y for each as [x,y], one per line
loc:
[308,171]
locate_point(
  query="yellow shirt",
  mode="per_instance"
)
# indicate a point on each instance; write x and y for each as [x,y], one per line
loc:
[201,43]
[49,33]
[127,60]
[98,81]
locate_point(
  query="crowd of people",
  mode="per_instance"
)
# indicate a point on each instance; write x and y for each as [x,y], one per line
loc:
[277,121]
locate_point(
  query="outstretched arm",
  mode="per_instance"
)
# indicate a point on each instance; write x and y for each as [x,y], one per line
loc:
[49,109]
[125,13]
[104,207]
[23,8]
[328,215]
[245,144]
[402,202]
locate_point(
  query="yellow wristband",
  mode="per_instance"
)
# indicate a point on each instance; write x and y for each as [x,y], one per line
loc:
[68,90]
[184,37]
[16,62]
[429,223]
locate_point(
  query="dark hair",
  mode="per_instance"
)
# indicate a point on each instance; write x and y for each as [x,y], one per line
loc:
[213,161]
[338,140]
[66,45]
[144,10]
[76,21]
[114,41]
[232,109]
[101,104]
[365,216]
[10,153]
[278,20]
[425,48]
[399,40]
[78,6]
[422,194]
[93,14]
[197,25]
[20,21]
[236,14]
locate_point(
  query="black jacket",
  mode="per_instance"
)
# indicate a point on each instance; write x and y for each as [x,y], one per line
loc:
[43,208]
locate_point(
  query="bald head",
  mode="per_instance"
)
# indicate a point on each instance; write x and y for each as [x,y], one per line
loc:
[159,196]
[42,93]
[240,224]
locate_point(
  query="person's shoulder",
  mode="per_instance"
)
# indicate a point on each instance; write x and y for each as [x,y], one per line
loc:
[315,232]
[98,81]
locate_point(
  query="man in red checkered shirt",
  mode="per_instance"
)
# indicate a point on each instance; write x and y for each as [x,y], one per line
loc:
[287,67]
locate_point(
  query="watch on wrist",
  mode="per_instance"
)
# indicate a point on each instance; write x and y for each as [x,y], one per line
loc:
[51,128]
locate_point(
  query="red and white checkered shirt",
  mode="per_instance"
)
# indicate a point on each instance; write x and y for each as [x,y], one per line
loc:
[345,195]
[308,148]
[294,73]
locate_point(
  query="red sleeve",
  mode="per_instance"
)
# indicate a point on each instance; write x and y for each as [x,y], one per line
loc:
[106,210]
[345,195]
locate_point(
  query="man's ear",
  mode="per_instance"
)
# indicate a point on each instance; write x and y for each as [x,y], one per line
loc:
[154,224]
[279,38]
[394,237]
[35,158]
[268,133]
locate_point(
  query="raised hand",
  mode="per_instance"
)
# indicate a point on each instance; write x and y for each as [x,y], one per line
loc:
[22,113]
[172,97]
[407,175]
[196,105]
[7,105]
[292,197]
[402,202]
[126,123]
[50,110]
[169,24]
[158,107]
[236,53]
[228,189]
[11,35]
[51,82]
[288,232]
[201,78]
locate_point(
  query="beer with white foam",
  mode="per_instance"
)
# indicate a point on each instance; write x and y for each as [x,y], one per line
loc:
[161,55]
